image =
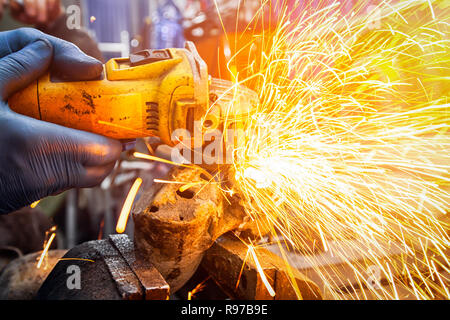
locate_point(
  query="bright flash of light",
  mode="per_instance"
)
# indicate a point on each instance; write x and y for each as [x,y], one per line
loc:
[349,143]
[125,212]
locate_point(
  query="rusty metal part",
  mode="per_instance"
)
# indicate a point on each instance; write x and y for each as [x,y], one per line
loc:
[21,279]
[228,262]
[174,228]
[109,271]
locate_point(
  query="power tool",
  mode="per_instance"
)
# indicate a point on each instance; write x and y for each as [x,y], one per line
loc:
[150,93]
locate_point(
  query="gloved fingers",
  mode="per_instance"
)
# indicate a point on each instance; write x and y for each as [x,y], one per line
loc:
[45,158]
[20,68]
[97,150]
[88,149]
[93,176]
[69,62]
[97,155]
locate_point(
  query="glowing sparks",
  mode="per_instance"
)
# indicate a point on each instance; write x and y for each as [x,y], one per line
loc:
[190,185]
[261,271]
[324,242]
[157,159]
[349,143]
[241,271]
[197,289]
[431,9]
[124,214]
[34,204]
[92,19]
[47,245]
[167,181]
[75,259]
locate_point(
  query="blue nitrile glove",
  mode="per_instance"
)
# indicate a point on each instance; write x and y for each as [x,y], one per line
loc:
[38,158]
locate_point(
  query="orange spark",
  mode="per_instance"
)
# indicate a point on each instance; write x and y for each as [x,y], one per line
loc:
[197,289]
[242,270]
[167,181]
[191,184]
[123,218]
[324,242]
[261,272]
[75,259]
[34,204]
[45,251]
[153,158]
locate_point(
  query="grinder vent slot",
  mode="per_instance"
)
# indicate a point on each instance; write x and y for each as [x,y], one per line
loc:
[152,118]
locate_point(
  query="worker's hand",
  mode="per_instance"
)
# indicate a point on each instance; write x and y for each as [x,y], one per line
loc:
[36,12]
[37,158]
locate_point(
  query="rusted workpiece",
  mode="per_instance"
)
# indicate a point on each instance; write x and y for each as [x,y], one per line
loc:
[174,228]
[21,278]
[109,270]
[233,267]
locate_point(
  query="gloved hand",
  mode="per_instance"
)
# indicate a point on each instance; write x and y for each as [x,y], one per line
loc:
[37,158]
